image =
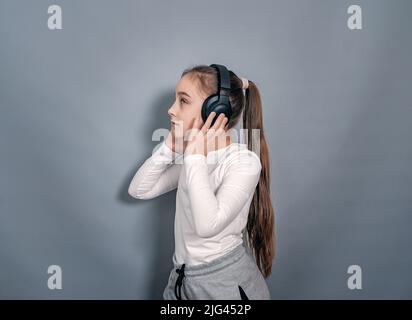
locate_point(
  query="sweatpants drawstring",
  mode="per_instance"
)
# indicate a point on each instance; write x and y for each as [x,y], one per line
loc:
[179,281]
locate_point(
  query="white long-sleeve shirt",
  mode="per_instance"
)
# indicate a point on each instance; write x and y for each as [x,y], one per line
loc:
[213,197]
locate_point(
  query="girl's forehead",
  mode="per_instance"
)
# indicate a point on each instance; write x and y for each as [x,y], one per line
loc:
[187,84]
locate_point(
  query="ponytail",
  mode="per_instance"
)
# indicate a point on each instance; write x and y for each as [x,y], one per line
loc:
[260,224]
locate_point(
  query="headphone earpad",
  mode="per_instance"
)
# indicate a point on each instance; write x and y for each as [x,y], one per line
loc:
[208,106]
[213,103]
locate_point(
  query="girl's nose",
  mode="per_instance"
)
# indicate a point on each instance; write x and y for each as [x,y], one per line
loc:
[171,112]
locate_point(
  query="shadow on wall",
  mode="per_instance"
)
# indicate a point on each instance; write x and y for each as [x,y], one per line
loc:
[162,207]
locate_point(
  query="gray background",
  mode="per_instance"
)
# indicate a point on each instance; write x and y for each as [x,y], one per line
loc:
[79,105]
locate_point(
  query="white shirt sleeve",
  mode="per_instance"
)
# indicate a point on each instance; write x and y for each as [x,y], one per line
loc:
[157,175]
[214,212]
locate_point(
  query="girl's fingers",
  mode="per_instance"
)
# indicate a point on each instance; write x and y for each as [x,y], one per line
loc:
[195,128]
[190,132]
[218,121]
[210,133]
[220,130]
[209,120]
[224,121]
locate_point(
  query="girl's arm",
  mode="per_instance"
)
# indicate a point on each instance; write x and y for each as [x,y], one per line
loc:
[157,175]
[214,212]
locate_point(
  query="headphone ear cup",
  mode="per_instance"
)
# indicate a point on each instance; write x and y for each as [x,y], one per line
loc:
[220,108]
[217,104]
[223,106]
[209,105]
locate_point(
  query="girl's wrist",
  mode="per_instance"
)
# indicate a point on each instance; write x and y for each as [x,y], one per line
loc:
[192,150]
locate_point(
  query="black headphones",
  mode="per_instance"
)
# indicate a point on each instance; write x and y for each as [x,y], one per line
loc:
[219,102]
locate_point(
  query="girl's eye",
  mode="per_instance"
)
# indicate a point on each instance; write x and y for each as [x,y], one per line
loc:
[183,100]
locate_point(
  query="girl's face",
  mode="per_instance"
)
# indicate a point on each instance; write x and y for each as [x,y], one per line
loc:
[186,107]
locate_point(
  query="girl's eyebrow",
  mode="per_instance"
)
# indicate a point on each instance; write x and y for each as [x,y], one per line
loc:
[183,93]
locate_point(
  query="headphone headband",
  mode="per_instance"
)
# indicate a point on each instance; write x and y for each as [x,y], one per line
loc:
[220,101]
[223,78]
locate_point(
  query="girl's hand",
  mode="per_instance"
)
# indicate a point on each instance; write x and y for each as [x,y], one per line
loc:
[172,143]
[176,144]
[207,139]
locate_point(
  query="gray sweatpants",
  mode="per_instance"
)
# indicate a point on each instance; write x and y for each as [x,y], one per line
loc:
[232,276]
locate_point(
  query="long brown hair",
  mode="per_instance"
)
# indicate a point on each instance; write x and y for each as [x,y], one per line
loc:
[260,225]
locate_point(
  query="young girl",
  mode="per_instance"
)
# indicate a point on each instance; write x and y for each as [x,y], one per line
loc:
[223,190]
